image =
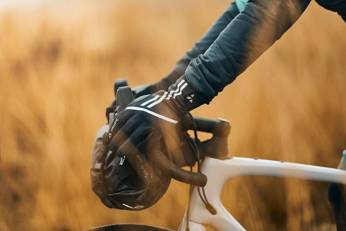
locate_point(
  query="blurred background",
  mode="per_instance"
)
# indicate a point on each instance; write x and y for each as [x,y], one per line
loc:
[58,62]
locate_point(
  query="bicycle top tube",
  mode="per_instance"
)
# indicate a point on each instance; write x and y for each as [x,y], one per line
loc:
[219,171]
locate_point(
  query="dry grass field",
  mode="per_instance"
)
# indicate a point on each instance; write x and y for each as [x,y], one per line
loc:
[57,67]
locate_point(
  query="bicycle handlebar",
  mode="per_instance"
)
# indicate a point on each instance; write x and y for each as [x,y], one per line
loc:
[217,127]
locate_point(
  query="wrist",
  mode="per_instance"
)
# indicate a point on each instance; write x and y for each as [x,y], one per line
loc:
[184,96]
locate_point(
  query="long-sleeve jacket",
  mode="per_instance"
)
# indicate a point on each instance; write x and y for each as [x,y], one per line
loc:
[244,32]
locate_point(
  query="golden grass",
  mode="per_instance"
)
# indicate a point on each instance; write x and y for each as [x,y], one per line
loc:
[57,66]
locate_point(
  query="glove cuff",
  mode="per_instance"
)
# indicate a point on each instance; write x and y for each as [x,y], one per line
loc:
[185,97]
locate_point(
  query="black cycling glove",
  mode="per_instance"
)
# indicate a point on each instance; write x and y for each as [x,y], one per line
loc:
[163,84]
[158,115]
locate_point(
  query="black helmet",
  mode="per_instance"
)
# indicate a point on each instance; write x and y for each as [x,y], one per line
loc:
[122,186]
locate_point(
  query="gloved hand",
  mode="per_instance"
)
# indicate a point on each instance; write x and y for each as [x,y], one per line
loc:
[163,84]
[155,120]
[127,170]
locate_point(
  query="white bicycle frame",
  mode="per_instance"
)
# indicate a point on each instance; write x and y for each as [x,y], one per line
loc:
[219,171]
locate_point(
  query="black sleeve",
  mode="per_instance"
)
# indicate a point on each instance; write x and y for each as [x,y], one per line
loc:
[244,39]
[200,47]
[214,31]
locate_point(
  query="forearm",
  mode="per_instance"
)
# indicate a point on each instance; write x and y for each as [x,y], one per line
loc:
[249,34]
[201,46]
[214,31]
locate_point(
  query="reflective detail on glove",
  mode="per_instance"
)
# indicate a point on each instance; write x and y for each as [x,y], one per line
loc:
[158,101]
[152,113]
[149,101]
[137,207]
[185,96]
[173,93]
[178,91]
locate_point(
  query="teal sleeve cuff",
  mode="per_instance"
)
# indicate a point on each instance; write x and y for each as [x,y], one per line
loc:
[241,4]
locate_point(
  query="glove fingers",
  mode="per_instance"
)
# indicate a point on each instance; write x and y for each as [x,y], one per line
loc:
[124,130]
[146,140]
[137,160]
[122,119]
[150,148]
[139,139]
[173,139]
